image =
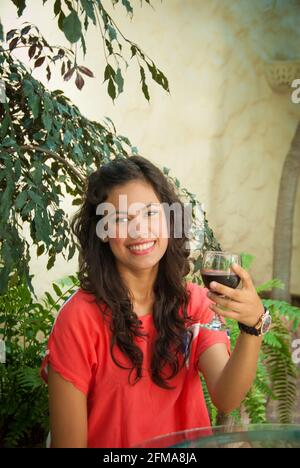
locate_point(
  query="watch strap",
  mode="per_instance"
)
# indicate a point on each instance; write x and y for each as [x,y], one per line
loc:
[252,330]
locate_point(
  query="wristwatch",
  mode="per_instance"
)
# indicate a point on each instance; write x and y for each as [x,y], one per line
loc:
[261,328]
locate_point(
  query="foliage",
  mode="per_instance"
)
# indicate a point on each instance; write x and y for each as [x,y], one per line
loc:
[75,19]
[47,148]
[25,328]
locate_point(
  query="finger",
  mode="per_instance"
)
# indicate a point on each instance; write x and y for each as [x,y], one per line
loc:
[226,302]
[243,274]
[226,291]
[225,313]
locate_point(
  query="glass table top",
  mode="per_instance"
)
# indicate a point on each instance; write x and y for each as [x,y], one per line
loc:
[239,436]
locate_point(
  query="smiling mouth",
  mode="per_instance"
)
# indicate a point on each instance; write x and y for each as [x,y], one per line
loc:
[142,247]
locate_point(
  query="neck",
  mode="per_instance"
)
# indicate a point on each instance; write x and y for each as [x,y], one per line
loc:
[140,284]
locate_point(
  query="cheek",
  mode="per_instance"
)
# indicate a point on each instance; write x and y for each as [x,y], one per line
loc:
[117,245]
[159,229]
[158,226]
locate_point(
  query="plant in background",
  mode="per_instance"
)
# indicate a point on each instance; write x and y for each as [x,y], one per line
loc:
[75,18]
[25,326]
[47,147]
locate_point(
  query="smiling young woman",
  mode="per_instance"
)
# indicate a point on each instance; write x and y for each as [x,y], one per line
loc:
[124,354]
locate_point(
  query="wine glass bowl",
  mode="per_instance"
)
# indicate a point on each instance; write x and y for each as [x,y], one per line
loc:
[216,266]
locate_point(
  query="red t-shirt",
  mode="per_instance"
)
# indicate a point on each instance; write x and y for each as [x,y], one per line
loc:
[121,414]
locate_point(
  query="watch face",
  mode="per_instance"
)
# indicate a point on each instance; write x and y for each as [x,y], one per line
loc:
[267,321]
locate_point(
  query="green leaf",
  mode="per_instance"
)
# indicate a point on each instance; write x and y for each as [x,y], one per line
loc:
[28,88]
[40,250]
[119,80]
[128,6]
[72,27]
[61,20]
[77,201]
[111,89]
[21,200]
[34,103]
[71,251]
[36,198]
[269,285]
[1,32]
[57,289]
[112,33]
[57,7]
[84,49]
[247,260]
[88,6]
[51,262]
[21,5]
[153,70]
[109,72]
[133,50]
[197,264]
[144,84]
[47,121]
[4,126]
[25,30]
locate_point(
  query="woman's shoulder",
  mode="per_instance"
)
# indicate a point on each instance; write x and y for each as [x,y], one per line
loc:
[79,309]
[196,288]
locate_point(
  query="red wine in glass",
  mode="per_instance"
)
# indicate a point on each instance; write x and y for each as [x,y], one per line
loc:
[216,266]
[228,279]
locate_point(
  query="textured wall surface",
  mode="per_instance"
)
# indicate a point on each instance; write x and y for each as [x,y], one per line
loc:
[223,132]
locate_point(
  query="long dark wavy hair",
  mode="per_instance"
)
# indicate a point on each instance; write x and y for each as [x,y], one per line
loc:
[99,275]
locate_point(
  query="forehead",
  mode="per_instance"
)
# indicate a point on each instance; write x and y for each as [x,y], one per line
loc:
[134,192]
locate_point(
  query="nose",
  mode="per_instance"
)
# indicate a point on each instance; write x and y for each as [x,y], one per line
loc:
[140,230]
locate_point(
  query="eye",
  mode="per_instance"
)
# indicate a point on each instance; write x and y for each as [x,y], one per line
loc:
[120,220]
[153,211]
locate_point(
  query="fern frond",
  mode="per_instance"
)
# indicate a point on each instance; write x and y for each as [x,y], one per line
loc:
[283,371]
[269,285]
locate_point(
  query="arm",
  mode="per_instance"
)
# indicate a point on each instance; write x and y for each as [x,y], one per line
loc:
[68,413]
[229,379]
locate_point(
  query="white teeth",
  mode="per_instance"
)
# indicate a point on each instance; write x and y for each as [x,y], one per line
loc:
[142,247]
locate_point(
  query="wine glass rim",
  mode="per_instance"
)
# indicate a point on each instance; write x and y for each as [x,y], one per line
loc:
[219,252]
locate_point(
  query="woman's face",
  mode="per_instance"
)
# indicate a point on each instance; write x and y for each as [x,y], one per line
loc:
[142,222]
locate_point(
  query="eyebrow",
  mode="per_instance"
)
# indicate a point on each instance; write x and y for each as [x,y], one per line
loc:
[147,206]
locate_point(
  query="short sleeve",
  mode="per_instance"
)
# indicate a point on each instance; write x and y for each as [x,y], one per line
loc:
[201,313]
[70,349]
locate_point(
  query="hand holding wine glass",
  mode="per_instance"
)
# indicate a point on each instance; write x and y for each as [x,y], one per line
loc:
[222,273]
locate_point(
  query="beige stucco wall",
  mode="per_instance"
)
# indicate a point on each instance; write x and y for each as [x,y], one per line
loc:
[222,131]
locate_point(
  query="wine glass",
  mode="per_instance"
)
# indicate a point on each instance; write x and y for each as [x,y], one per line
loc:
[216,266]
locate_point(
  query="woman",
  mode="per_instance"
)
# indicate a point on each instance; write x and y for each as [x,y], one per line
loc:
[125,352]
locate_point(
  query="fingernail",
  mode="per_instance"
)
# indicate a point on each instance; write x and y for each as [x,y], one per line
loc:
[213,285]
